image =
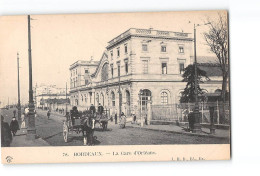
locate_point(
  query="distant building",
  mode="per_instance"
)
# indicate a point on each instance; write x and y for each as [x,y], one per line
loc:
[146,64]
[45,95]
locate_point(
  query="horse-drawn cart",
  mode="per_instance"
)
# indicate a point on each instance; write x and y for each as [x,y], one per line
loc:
[83,123]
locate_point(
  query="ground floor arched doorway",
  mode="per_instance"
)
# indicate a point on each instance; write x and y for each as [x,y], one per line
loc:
[145,95]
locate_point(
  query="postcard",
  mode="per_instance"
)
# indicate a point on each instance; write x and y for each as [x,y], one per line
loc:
[115,87]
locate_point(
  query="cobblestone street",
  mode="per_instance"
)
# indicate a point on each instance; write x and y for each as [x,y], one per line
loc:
[51,131]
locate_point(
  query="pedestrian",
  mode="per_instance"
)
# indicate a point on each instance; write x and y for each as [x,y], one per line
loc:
[115,118]
[23,121]
[122,120]
[145,120]
[100,109]
[35,113]
[14,112]
[134,118]
[14,126]
[48,114]
[6,135]
[92,109]
[111,118]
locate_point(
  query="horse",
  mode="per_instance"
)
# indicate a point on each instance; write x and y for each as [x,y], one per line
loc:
[88,128]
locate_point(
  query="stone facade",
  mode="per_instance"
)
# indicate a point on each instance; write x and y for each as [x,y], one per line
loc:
[146,64]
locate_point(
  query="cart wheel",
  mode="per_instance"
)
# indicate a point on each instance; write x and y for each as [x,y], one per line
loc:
[65,132]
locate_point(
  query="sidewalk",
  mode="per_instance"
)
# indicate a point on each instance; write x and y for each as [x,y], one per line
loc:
[19,140]
[219,133]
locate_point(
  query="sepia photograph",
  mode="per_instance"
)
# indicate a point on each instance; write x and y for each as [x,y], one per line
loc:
[115,84]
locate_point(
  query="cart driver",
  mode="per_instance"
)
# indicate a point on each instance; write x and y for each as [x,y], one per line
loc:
[100,109]
[92,109]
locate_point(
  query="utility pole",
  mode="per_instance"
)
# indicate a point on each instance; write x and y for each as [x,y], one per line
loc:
[31,131]
[35,95]
[119,90]
[66,100]
[19,101]
[196,112]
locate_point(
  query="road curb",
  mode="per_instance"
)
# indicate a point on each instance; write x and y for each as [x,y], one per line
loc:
[185,133]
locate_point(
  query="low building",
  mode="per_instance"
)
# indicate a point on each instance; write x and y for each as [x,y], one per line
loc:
[46,94]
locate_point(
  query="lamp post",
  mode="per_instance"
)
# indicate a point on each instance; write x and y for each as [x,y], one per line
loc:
[19,101]
[141,107]
[196,113]
[31,131]
[66,100]
[119,90]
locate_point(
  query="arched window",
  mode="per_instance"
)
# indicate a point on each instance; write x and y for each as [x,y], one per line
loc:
[104,72]
[113,98]
[164,98]
[145,96]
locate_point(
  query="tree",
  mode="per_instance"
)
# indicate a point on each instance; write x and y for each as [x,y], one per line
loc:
[217,39]
[188,95]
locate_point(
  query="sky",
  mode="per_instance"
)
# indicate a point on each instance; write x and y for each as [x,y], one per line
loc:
[60,40]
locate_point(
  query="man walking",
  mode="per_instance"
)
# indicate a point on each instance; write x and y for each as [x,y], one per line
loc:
[115,118]
[14,126]
[48,114]
[6,135]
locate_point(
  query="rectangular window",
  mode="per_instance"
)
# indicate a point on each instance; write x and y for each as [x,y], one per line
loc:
[163,48]
[181,65]
[181,49]
[111,54]
[86,71]
[112,71]
[145,66]
[125,48]
[164,68]
[126,67]
[144,47]
[86,82]
[118,52]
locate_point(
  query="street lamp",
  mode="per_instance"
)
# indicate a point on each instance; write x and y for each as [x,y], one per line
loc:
[141,107]
[196,113]
[31,131]
[19,102]
[119,90]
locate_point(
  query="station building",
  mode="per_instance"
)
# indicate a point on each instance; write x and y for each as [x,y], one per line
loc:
[139,68]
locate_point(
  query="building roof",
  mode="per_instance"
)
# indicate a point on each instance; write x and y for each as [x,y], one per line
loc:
[210,69]
[206,59]
[84,63]
[149,33]
[58,101]
[99,63]
[50,95]
[209,64]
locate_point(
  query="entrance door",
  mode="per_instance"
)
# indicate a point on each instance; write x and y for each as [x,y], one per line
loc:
[145,96]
